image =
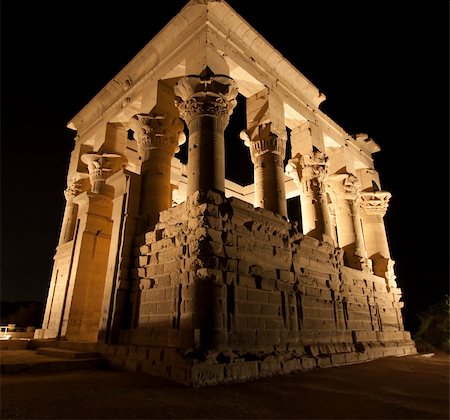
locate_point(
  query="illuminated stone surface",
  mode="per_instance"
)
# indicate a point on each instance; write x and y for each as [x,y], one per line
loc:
[178,272]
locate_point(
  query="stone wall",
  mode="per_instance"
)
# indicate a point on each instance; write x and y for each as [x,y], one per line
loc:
[229,292]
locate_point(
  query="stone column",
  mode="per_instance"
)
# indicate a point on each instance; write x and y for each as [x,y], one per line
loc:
[350,235]
[69,218]
[266,137]
[310,171]
[268,150]
[373,206]
[99,167]
[206,102]
[157,137]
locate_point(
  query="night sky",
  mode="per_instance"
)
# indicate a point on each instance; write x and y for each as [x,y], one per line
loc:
[382,65]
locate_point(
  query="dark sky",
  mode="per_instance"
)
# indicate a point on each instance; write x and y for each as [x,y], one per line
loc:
[382,65]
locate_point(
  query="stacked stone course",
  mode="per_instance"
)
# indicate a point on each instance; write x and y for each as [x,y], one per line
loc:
[229,293]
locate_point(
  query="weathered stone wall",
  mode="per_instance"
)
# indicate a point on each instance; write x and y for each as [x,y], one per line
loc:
[244,294]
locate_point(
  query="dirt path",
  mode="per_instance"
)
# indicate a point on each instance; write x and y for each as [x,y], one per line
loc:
[410,387]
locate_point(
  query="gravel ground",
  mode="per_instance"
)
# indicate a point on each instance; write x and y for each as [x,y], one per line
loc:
[412,387]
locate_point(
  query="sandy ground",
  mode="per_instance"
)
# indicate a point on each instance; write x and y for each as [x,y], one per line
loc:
[412,387]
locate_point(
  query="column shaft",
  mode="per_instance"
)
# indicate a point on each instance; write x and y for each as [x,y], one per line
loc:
[375,234]
[269,183]
[359,237]
[68,222]
[206,161]
[69,218]
[206,102]
[309,171]
[156,192]
[373,208]
[328,227]
[350,237]
[157,136]
[311,208]
[266,137]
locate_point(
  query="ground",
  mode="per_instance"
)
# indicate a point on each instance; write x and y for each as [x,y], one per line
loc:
[392,388]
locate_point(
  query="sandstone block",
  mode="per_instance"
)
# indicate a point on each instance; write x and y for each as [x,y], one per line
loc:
[291,365]
[268,284]
[270,337]
[241,371]
[248,308]
[257,296]
[338,359]
[270,367]
[243,338]
[246,281]
[270,310]
[323,361]
[202,374]
[145,250]
[275,298]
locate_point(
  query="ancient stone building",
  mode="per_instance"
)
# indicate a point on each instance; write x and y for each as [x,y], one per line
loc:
[174,270]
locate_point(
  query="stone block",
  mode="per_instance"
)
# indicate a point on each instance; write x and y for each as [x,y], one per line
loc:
[231,252]
[338,359]
[152,368]
[241,371]
[308,362]
[246,281]
[243,268]
[240,322]
[268,284]
[270,367]
[146,308]
[150,237]
[203,374]
[243,338]
[154,270]
[180,374]
[227,265]
[248,308]
[257,296]
[186,338]
[115,362]
[270,310]
[133,365]
[122,351]
[160,337]
[156,354]
[291,365]
[272,323]
[275,298]
[270,337]
[253,322]
[209,274]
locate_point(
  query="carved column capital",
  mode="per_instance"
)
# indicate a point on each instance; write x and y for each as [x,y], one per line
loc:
[157,131]
[352,187]
[266,138]
[314,165]
[100,166]
[374,203]
[206,95]
[72,190]
[309,171]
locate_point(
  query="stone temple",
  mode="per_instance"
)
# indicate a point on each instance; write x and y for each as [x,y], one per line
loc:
[172,269]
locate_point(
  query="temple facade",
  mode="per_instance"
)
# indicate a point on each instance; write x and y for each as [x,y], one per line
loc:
[174,270]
